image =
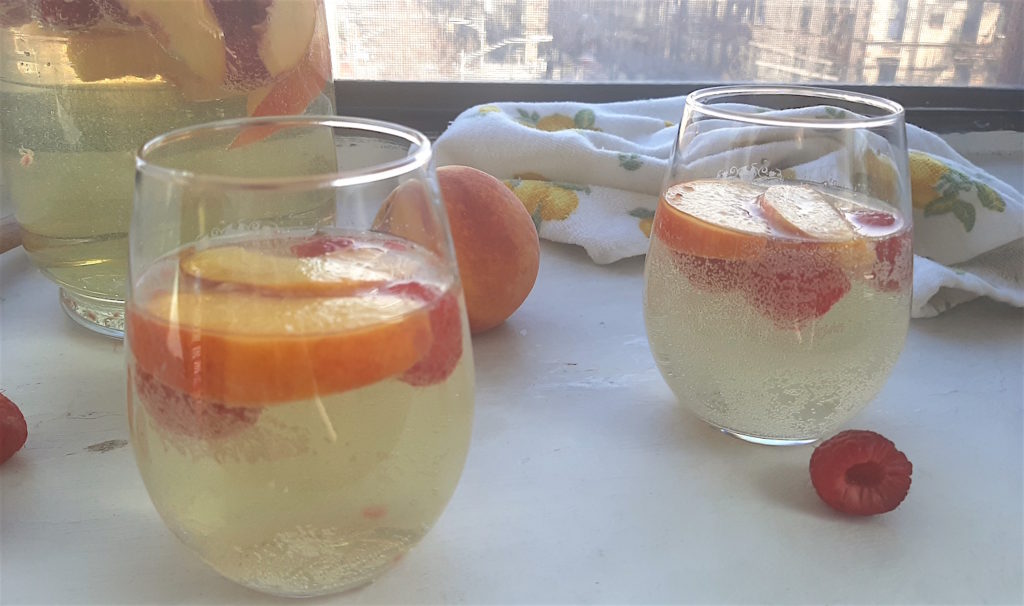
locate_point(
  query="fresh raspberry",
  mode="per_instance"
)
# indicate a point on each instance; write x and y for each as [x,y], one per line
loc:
[321,246]
[795,283]
[711,275]
[872,218]
[13,430]
[445,325]
[182,414]
[860,473]
[893,267]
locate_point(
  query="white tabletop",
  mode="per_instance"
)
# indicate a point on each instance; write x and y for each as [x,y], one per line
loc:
[585,482]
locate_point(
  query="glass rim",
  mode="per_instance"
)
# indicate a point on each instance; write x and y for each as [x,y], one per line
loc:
[340,178]
[697,101]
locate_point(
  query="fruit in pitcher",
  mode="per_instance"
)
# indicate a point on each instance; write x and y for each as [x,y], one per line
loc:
[860,473]
[66,14]
[189,31]
[14,13]
[495,241]
[264,38]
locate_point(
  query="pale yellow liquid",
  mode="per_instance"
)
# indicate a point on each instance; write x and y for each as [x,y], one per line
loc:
[72,197]
[290,505]
[738,370]
[316,496]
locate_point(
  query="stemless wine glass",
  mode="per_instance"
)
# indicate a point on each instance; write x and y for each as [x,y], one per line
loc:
[778,280]
[299,363]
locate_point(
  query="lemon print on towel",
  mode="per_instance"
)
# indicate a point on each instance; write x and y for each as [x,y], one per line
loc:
[937,190]
[646,219]
[583,119]
[546,200]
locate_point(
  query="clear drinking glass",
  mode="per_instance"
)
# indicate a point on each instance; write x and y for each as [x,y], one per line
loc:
[84,83]
[778,280]
[299,363]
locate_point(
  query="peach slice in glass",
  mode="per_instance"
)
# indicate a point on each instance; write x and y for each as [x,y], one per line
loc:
[802,211]
[712,219]
[242,349]
[343,271]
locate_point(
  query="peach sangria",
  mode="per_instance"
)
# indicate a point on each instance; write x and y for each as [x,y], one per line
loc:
[778,280]
[83,83]
[300,397]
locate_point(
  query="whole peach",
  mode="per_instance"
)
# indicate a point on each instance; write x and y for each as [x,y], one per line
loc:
[496,244]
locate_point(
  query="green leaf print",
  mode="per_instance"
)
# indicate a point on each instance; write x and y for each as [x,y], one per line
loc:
[941,206]
[572,186]
[530,119]
[835,113]
[630,161]
[537,219]
[584,118]
[989,198]
[953,181]
[642,213]
[965,212]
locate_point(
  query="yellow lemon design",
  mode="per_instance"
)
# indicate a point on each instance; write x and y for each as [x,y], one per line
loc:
[489,109]
[925,173]
[555,122]
[530,177]
[551,202]
[646,219]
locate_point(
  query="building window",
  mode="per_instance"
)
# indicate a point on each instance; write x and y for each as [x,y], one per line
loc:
[962,73]
[887,69]
[898,19]
[805,18]
[936,20]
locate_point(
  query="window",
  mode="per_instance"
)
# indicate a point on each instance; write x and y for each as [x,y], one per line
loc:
[887,69]
[450,54]
[675,40]
[805,18]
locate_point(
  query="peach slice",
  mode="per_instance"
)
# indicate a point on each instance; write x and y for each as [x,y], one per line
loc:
[286,34]
[245,350]
[187,30]
[116,53]
[338,272]
[293,92]
[802,211]
[712,219]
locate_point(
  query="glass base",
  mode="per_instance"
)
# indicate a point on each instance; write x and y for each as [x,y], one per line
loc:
[768,441]
[103,316]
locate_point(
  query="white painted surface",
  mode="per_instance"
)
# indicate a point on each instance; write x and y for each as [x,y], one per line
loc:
[585,482]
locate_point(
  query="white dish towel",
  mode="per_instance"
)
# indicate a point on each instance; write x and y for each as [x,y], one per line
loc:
[590,174]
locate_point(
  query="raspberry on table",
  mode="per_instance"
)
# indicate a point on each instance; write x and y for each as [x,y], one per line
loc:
[13,429]
[860,472]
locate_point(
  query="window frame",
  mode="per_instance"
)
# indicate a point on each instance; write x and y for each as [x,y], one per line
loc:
[431,106]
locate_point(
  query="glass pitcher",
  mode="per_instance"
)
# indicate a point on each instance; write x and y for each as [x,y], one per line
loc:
[83,83]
